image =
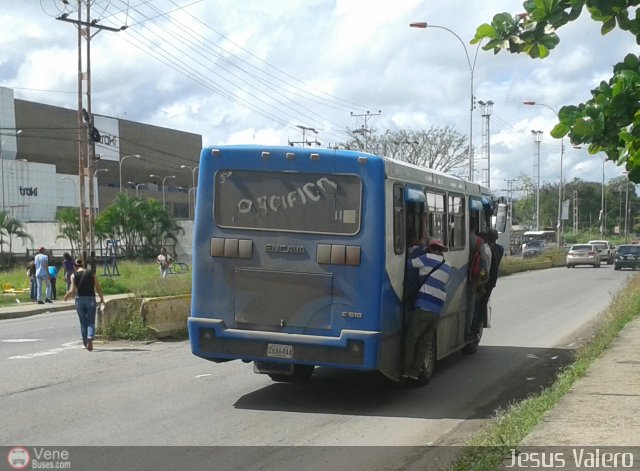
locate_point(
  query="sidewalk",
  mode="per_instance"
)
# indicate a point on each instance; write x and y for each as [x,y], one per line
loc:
[603,407]
[30,308]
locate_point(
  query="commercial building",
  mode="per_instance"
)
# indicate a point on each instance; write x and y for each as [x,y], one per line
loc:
[40,171]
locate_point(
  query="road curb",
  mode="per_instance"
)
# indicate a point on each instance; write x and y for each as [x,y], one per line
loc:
[22,310]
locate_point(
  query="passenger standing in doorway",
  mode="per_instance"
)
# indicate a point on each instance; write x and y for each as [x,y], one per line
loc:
[84,286]
[42,276]
[475,280]
[497,252]
[429,304]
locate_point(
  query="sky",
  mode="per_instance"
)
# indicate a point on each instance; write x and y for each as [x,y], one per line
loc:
[258,71]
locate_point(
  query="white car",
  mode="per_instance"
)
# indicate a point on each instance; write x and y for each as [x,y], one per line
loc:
[605,249]
[583,254]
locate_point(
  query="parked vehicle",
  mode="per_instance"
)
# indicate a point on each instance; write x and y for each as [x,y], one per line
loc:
[583,254]
[605,249]
[534,248]
[627,256]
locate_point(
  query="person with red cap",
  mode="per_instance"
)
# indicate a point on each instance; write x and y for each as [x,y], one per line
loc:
[429,303]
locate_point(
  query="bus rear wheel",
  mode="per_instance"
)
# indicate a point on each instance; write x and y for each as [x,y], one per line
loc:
[300,374]
[426,372]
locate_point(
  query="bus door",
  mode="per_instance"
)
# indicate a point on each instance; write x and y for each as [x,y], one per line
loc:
[416,226]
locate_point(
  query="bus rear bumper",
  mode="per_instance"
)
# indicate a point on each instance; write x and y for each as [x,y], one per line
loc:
[212,340]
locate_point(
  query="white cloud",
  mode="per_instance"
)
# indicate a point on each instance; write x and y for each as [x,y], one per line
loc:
[312,63]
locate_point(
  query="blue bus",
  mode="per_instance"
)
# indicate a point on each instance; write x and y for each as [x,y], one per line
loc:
[299,258]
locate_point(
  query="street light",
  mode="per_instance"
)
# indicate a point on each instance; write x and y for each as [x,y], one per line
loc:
[560,185]
[626,211]
[74,188]
[122,159]
[472,66]
[137,185]
[18,132]
[602,207]
[164,179]
[487,107]
[537,138]
[98,171]
[193,186]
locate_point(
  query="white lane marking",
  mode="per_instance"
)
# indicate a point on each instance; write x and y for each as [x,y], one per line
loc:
[65,346]
[203,376]
[21,340]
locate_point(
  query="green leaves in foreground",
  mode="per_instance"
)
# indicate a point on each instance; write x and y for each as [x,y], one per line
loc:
[610,121]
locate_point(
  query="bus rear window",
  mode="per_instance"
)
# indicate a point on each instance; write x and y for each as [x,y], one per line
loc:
[291,202]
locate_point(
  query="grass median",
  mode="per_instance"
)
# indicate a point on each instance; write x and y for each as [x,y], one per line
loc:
[509,426]
[139,278]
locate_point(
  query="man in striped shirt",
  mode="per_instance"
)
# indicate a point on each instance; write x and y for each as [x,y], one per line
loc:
[428,306]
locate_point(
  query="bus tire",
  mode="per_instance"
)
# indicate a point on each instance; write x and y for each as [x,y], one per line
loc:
[472,347]
[426,372]
[301,374]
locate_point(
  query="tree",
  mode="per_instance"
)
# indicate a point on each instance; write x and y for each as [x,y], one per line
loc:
[524,208]
[12,228]
[69,221]
[443,149]
[138,222]
[610,121]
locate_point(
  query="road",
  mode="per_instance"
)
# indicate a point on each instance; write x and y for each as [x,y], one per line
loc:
[132,393]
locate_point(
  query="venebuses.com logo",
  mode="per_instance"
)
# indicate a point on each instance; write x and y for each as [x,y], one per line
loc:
[18,458]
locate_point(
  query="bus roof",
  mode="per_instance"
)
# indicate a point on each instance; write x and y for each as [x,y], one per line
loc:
[394,168]
[539,232]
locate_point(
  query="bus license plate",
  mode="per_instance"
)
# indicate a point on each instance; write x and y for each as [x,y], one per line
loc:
[279,351]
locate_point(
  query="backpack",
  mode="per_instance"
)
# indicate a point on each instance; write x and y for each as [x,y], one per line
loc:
[477,269]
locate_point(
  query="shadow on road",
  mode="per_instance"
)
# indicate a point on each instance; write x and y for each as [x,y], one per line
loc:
[464,387]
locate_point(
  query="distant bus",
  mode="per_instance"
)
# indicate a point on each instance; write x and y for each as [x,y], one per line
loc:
[502,223]
[547,236]
[299,258]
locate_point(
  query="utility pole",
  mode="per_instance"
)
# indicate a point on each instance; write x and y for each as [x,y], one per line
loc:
[575,211]
[626,213]
[486,107]
[304,140]
[364,130]
[510,191]
[537,138]
[87,135]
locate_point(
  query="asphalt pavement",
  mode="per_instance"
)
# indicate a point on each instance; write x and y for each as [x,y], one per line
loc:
[601,409]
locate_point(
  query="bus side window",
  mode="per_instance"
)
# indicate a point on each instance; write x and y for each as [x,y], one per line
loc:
[436,221]
[414,217]
[456,219]
[398,219]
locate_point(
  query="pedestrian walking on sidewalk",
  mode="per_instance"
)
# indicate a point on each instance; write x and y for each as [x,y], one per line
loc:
[31,274]
[69,268]
[164,260]
[53,275]
[42,275]
[84,286]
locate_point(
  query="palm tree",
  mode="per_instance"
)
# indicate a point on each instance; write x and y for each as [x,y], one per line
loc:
[12,228]
[69,220]
[135,222]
